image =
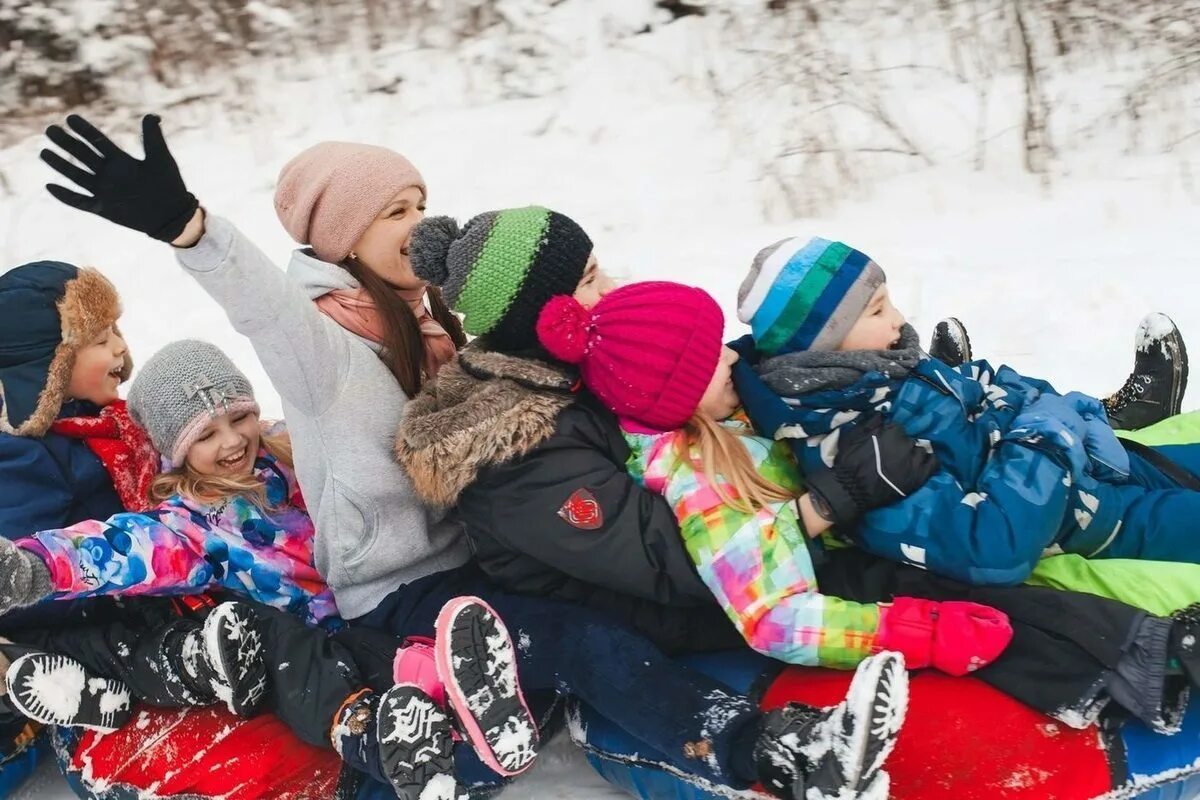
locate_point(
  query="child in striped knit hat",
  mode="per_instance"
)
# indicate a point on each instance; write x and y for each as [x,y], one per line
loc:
[652,353]
[1024,470]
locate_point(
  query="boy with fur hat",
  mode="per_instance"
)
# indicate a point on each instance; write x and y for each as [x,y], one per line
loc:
[68,449]
[1024,469]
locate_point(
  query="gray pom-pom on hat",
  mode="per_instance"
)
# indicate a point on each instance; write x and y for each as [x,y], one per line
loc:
[182,387]
[429,251]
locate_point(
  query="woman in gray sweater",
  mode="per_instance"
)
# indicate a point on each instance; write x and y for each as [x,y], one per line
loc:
[348,336]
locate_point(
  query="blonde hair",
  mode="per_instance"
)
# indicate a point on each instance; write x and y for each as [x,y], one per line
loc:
[210,489]
[714,449]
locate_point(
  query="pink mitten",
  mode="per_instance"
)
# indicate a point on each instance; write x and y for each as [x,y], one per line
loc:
[955,636]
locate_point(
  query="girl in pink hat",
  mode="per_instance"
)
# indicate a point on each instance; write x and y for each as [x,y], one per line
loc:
[652,353]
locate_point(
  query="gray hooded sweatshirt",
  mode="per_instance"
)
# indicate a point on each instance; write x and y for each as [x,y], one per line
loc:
[342,407]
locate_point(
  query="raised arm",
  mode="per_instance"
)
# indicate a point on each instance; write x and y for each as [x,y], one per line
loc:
[303,352]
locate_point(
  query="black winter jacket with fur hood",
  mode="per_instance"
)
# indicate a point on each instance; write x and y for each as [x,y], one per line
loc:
[535,470]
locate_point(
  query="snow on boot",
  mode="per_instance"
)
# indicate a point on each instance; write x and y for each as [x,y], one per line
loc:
[950,343]
[837,753]
[56,690]
[477,663]
[233,650]
[416,747]
[1154,390]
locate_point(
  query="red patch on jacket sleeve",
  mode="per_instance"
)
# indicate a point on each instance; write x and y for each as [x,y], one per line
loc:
[582,510]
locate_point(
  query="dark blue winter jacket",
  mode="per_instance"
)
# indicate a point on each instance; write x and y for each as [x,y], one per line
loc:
[1023,469]
[52,481]
[46,481]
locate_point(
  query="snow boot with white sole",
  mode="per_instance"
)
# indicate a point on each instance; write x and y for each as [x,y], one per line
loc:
[416,745]
[219,661]
[837,753]
[57,690]
[233,648]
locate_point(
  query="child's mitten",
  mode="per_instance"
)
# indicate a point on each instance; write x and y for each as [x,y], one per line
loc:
[24,578]
[876,464]
[955,636]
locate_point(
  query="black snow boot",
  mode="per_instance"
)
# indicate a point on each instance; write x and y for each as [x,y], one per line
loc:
[1154,390]
[805,753]
[950,343]
[416,745]
[57,690]
[219,661]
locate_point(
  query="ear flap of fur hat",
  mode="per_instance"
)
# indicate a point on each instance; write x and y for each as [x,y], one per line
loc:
[45,299]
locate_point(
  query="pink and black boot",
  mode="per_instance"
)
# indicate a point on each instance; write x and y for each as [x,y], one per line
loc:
[470,667]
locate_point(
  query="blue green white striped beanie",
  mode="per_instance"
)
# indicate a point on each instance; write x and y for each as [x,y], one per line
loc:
[806,295]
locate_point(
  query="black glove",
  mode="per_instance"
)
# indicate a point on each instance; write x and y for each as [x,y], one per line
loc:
[148,195]
[876,464]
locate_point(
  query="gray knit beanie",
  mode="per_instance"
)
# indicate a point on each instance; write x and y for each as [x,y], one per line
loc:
[181,388]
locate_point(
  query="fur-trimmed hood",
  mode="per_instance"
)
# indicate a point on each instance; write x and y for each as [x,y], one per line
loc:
[49,311]
[483,408]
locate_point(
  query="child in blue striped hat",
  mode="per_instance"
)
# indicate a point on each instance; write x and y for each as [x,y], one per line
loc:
[818,295]
[1024,469]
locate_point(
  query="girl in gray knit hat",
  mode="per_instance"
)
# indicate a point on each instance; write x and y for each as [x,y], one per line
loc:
[230,516]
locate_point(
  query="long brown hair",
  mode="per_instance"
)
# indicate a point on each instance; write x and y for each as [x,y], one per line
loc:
[212,489]
[721,454]
[403,345]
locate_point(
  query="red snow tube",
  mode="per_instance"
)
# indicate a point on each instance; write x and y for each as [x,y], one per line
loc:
[201,753]
[953,724]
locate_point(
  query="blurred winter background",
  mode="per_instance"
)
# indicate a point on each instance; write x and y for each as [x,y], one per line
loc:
[1030,166]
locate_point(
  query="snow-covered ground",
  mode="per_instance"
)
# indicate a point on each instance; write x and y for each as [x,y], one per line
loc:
[1052,280]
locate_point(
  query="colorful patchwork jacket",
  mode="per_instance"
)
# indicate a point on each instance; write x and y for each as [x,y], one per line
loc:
[184,547]
[758,566]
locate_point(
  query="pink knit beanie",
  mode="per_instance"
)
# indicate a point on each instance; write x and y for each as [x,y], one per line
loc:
[328,195]
[647,350]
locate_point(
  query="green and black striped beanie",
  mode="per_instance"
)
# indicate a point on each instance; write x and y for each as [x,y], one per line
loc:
[501,268]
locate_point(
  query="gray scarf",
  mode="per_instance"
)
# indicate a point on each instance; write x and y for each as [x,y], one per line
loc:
[794,374]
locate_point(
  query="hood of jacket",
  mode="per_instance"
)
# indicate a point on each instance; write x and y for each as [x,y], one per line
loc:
[484,408]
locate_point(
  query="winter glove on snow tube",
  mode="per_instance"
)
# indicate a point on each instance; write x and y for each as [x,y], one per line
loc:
[147,195]
[24,578]
[876,464]
[955,636]
[1051,424]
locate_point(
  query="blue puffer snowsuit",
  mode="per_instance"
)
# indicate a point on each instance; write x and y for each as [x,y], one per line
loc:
[1024,470]
[48,480]
[52,481]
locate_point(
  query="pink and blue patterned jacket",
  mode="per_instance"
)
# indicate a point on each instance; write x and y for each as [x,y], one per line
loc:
[185,547]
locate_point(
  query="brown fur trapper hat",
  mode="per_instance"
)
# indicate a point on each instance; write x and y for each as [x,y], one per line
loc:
[49,311]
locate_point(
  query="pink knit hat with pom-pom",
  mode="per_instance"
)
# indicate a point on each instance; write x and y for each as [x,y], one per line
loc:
[647,350]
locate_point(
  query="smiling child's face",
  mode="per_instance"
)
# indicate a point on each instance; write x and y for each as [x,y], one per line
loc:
[878,327]
[98,369]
